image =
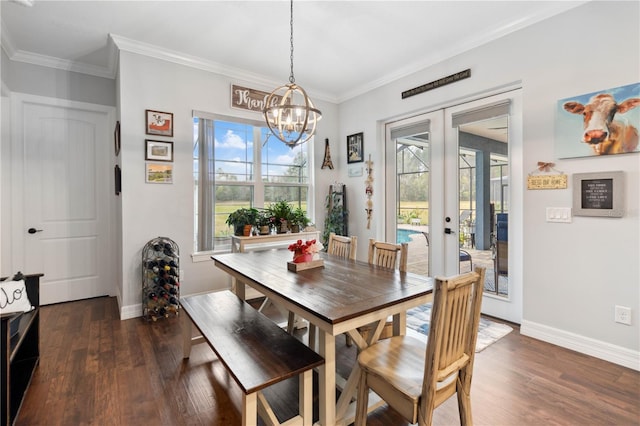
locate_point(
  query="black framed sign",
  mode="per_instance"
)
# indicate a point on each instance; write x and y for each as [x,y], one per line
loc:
[598,194]
[355,149]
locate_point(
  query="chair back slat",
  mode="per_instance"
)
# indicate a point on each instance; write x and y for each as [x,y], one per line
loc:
[342,246]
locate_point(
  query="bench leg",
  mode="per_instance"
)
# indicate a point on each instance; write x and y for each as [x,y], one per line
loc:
[249,409]
[291,326]
[306,397]
[186,336]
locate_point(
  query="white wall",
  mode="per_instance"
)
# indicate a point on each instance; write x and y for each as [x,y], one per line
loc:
[573,274]
[152,210]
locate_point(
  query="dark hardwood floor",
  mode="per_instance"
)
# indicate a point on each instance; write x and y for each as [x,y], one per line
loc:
[98,370]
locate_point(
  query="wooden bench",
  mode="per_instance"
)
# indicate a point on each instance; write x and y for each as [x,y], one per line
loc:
[254,350]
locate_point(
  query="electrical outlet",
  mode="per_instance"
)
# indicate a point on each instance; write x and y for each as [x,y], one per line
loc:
[623,315]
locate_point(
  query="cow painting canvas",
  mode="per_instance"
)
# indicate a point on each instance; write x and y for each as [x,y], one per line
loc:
[599,123]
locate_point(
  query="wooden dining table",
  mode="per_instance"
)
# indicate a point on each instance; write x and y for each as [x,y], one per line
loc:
[336,298]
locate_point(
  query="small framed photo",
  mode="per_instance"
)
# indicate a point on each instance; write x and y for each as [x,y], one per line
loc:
[159,173]
[598,194]
[158,150]
[355,151]
[116,138]
[159,123]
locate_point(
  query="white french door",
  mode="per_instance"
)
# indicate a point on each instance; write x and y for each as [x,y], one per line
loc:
[459,222]
[62,196]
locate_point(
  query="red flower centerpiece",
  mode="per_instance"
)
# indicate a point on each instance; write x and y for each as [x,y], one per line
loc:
[304,251]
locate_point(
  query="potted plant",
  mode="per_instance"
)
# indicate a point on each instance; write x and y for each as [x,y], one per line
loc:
[299,220]
[242,219]
[264,222]
[281,212]
[337,216]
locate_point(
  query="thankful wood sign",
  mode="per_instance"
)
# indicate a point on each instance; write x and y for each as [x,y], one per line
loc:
[251,99]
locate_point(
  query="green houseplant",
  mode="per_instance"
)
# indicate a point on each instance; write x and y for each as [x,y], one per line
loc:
[264,221]
[299,220]
[337,216]
[241,218]
[281,211]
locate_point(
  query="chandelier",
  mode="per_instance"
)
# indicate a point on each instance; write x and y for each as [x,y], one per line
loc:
[289,112]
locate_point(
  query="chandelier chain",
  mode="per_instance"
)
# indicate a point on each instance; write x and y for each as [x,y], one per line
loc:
[292,79]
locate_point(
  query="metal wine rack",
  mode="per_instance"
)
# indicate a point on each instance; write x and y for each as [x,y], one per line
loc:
[160,279]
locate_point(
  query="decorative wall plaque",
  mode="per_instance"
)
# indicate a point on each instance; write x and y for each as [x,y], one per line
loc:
[546,177]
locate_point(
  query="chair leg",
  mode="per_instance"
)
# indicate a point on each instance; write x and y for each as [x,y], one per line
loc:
[348,340]
[464,404]
[362,403]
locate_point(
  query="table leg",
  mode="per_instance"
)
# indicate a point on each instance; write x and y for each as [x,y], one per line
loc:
[327,379]
[186,336]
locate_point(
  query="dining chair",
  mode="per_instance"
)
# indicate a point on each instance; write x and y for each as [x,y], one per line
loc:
[387,255]
[339,246]
[342,246]
[414,379]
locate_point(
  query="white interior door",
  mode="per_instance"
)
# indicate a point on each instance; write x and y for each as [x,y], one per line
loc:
[61,190]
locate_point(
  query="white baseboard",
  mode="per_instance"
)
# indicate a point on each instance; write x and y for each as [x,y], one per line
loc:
[131,311]
[586,345]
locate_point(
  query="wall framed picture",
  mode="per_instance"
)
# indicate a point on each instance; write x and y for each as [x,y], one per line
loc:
[355,149]
[158,150]
[159,123]
[599,123]
[598,194]
[159,173]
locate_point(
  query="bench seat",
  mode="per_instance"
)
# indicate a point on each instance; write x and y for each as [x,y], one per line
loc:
[254,350]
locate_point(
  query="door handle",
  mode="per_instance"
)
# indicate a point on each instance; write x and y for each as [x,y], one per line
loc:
[33,230]
[448,231]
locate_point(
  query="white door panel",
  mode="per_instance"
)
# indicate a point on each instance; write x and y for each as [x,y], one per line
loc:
[65,184]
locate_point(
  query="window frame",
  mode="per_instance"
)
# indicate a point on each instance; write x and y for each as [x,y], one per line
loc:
[256,182]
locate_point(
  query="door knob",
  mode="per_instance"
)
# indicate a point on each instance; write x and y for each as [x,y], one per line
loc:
[33,230]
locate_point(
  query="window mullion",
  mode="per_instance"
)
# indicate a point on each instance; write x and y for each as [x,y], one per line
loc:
[258,189]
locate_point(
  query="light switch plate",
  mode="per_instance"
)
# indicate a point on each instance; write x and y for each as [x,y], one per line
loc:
[559,214]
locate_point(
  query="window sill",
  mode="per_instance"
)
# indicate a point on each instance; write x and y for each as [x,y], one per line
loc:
[205,256]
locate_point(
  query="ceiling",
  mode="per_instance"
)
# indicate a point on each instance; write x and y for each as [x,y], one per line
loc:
[342,48]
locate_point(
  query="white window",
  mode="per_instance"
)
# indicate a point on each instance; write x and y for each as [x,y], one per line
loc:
[237,163]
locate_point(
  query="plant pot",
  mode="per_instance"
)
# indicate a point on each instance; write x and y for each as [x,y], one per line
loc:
[238,230]
[247,230]
[295,228]
[283,228]
[301,258]
[264,230]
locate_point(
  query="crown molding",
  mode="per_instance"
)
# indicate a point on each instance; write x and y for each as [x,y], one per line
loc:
[180,58]
[62,64]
